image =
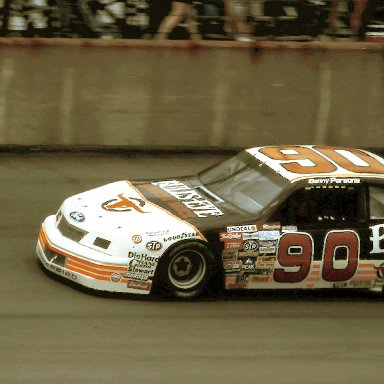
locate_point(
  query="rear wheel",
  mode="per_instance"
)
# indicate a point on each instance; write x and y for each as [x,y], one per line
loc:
[186,271]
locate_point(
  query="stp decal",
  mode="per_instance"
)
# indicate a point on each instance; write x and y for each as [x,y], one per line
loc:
[124,204]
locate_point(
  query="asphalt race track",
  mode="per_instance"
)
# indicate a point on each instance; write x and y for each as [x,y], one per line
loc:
[54,333]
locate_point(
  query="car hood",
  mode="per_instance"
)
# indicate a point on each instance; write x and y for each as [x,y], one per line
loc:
[119,208]
[150,207]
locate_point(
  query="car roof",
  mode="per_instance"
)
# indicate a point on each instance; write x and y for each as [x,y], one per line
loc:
[300,162]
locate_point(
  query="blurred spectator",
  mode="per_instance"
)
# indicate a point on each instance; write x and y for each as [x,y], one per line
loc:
[360,14]
[211,19]
[365,16]
[135,22]
[27,18]
[181,11]
[356,14]
[158,10]
[4,15]
[237,13]
[85,12]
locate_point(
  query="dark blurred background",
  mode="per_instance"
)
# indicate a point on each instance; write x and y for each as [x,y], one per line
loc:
[215,19]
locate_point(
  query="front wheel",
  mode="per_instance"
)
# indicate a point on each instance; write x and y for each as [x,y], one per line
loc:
[186,271]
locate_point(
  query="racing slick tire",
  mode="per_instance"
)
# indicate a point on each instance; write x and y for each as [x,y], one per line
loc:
[186,271]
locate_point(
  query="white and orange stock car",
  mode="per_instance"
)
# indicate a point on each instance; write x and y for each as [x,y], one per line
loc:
[270,217]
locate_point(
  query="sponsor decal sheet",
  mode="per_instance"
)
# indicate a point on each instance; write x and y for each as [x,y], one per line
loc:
[249,254]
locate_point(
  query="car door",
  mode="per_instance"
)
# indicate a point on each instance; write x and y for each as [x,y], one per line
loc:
[324,232]
[374,252]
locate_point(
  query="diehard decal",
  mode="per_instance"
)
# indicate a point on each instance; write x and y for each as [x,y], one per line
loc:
[124,204]
[142,261]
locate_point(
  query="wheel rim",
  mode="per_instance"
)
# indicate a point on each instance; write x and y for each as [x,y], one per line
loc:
[187,269]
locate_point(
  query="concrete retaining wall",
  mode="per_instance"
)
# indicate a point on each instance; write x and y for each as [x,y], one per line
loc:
[147,96]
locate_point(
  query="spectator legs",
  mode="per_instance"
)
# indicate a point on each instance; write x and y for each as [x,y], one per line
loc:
[179,12]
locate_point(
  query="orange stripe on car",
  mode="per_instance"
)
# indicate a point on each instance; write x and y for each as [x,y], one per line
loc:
[91,264]
[363,278]
[73,268]
[98,276]
[41,240]
[373,273]
[99,271]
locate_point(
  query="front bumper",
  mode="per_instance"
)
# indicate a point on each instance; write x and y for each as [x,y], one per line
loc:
[58,255]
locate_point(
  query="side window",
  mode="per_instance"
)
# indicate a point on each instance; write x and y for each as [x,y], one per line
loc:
[324,205]
[376,202]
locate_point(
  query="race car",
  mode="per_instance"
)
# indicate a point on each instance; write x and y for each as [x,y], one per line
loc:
[297,216]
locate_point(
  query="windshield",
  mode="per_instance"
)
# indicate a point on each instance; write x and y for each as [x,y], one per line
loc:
[244,182]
